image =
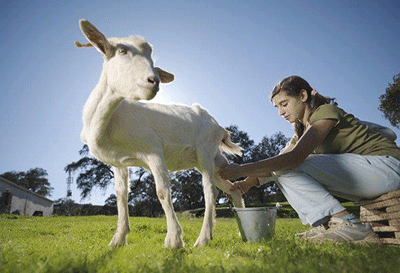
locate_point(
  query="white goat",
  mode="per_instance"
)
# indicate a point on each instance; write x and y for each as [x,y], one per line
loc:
[122,132]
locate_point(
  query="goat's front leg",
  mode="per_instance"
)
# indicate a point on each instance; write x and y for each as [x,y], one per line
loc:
[160,172]
[121,188]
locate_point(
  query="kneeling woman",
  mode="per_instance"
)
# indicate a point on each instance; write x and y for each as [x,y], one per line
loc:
[330,155]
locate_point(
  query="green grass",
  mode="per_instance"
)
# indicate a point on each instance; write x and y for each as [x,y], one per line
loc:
[80,244]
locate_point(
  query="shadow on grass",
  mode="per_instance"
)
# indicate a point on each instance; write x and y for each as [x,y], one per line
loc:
[79,263]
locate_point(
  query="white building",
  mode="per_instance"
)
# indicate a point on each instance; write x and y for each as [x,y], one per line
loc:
[18,200]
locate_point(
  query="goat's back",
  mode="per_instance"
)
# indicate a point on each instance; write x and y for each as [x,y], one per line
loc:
[164,124]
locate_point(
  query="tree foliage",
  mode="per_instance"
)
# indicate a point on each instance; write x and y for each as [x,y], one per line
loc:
[390,102]
[34,180]
[241,137]
[268,147]
[187,188]
[92,173]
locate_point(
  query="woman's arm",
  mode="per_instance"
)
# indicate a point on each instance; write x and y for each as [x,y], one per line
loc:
[287,148]
[310,140]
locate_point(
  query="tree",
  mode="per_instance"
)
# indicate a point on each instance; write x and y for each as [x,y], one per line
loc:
[111,201]
[390,102]
[187,189]
[241,137]
[93,173]
[34,180]
[143,195]
[65,206]
[268,147]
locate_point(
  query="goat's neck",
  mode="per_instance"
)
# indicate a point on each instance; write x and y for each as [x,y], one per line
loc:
[98,110]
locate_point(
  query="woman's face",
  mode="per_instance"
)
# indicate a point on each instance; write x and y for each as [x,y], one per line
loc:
[290,108]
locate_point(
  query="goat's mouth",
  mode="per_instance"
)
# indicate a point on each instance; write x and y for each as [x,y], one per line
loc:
[149,92]
[152,88]
[151,95]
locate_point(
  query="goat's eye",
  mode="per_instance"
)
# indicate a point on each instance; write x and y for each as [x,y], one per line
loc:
[122,51]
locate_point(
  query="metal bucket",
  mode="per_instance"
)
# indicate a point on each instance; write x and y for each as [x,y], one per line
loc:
[256,223]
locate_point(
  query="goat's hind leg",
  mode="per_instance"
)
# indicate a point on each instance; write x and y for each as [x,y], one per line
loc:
[209,214]
[206,165]
[225,185]
[121,188]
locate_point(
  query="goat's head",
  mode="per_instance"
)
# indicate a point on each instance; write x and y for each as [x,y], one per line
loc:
[128,66]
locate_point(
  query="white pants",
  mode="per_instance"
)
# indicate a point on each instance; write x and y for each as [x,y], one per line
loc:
[310,187]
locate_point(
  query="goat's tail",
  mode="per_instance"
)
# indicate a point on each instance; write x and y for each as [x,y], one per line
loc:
[229,147]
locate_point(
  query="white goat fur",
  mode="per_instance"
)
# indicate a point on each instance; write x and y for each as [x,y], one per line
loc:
[123,132]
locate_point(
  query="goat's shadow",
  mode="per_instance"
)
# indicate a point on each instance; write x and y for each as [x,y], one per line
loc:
[86,264]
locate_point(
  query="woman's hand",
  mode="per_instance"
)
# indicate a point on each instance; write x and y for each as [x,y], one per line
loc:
[245,185]
[230,171]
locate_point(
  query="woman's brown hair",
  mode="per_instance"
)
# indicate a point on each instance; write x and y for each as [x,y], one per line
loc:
[293,87]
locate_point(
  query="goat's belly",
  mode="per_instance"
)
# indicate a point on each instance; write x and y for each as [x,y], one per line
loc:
[180,157]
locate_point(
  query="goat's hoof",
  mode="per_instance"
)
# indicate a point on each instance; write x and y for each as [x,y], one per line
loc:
[117,241]
[174,241]
[202,242]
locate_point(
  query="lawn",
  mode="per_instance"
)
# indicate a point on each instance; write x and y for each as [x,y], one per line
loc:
[80,244]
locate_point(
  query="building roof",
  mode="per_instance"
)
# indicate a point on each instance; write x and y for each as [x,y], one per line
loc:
[11,184]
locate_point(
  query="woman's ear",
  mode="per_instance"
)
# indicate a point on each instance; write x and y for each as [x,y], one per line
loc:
[303,95]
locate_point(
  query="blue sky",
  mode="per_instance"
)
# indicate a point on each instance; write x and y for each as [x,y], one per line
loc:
[226,55]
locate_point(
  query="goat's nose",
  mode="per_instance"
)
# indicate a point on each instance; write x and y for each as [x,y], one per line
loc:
[153,80]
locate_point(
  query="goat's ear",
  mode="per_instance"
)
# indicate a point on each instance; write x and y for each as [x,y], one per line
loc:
[96,38]
[165,76]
